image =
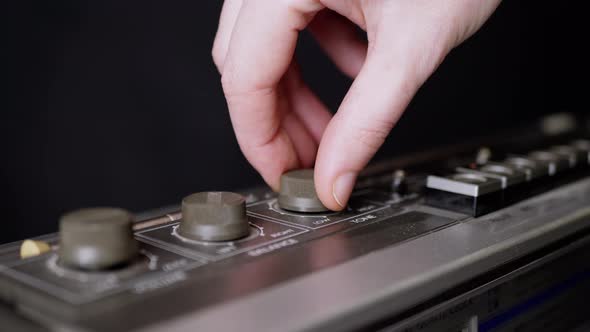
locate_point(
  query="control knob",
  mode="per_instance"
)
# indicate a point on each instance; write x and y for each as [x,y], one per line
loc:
[96,239]
[298,192]
[214,216]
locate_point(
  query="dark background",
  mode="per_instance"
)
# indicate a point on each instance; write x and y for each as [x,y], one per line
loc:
[118,102]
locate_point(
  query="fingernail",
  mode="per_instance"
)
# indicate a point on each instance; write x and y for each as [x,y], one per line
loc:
[342,188]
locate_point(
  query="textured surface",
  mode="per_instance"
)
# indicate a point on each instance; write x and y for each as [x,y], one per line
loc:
[298,192]
[97,238]
[214,216]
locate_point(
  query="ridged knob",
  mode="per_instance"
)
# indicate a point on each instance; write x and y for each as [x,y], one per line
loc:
[298,192]
[96,239]
[214,216]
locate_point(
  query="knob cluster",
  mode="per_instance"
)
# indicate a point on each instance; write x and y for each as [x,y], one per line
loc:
[214,216]
[96,239]
[298,192]
[102,238]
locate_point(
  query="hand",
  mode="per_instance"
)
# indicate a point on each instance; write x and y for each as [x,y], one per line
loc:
[279,122]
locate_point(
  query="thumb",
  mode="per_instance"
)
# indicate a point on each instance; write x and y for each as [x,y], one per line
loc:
[372,106]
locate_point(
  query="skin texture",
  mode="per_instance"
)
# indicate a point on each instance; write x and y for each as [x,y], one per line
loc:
[280,123]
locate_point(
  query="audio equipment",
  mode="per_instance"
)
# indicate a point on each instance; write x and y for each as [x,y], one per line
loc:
[490,235]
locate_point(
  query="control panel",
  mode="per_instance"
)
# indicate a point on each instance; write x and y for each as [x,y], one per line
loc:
[443,221]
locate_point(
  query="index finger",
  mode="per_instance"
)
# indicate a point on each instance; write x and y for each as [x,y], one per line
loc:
[259,53]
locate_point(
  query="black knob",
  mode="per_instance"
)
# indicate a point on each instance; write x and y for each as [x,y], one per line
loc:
[214,216]
[96,238]
[298,192]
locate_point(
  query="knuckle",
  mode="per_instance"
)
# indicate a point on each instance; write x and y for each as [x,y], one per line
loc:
[373,135]
[217,56]
[302,6]
[228,81]
[238,86]
[304,11]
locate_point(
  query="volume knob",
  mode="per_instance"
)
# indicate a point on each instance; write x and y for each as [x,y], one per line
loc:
[214,216]
[96,238]
[298,192]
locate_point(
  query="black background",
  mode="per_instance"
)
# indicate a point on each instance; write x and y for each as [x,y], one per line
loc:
[119,103]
